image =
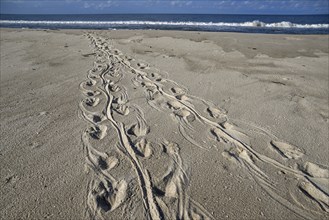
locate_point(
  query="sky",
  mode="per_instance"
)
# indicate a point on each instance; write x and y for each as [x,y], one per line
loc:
[164,6]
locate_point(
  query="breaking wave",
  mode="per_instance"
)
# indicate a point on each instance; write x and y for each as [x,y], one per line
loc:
[115,24]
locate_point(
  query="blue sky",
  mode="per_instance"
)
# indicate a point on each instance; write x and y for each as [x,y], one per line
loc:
[164,6]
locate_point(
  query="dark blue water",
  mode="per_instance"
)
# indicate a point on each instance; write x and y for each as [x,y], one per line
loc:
[277,24]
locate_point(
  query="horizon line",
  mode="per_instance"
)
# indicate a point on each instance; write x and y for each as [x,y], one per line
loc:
[157,14]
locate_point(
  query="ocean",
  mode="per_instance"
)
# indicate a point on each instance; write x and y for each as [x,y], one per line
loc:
[273,24]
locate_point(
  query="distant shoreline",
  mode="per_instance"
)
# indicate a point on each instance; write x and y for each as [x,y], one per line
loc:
[78,30]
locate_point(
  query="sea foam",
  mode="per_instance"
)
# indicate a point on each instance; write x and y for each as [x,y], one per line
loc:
[256,24]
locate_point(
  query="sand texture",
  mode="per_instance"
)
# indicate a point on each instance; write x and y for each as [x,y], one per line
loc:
[163,125]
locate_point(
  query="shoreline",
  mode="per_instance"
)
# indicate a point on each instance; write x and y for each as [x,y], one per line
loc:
[224,32]
[232,124]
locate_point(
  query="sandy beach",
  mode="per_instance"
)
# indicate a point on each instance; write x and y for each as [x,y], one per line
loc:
[145,124]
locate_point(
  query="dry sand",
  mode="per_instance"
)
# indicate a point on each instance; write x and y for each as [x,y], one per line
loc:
[163,125]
